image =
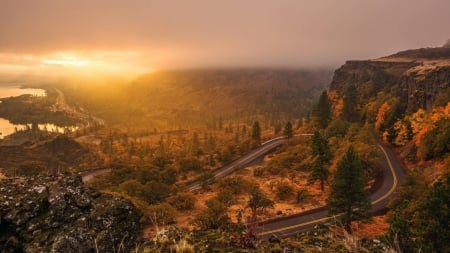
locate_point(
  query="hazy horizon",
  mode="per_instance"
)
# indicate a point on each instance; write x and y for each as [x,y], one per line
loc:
[140,36]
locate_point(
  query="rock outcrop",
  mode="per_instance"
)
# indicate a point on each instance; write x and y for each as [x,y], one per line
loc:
[423,85]
[43,214]
[50,154]
[417,77]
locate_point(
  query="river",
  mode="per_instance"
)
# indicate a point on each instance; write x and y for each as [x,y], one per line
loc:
[6,127]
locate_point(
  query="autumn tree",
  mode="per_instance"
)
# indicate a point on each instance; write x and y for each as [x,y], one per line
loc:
[214,217]
[435,143]
[347,195]
[257,201]
[322,111]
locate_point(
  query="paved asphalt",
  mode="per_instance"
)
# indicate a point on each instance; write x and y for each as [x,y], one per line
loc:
[392,174]
[254,155]
[386,184]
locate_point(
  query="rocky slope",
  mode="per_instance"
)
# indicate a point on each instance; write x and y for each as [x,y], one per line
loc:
[46,156]
[62,215]
[405,97]
[420,78]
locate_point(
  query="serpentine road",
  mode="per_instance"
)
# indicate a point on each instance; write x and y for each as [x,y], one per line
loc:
[385,186]
[253,156]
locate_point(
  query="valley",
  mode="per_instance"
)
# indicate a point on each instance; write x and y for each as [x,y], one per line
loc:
[246,159]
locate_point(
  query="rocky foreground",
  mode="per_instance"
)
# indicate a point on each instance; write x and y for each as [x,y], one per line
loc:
[62,215]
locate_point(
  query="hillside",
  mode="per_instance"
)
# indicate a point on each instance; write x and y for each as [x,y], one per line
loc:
[404,96]
[167,128]
[51,155]
[187,98]
[405,99]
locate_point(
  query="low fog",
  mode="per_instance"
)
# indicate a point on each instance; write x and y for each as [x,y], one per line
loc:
[204,33]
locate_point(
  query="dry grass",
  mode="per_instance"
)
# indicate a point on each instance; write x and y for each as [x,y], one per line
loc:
[287,207]
[375,228]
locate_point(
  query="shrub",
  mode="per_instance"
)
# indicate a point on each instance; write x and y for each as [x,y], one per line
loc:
[284,190]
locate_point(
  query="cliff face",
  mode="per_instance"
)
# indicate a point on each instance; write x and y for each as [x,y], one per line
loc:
[417,82]
[44,215]
[369,77]
[422,86]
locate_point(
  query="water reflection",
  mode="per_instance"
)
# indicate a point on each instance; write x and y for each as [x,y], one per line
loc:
[14,91]
[7,128]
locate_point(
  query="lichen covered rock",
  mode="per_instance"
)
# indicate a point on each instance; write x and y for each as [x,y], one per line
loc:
[43,214]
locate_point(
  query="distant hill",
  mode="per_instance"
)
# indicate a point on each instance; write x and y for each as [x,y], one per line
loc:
[45,158]
[425,53]
[193,97]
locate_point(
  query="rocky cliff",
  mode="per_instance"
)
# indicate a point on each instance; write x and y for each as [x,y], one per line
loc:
[62,215]
[422,86]
[418,77]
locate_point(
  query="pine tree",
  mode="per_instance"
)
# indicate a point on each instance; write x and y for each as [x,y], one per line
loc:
[434,215]
[322,157]
[322,111]
[320,148]
[288,132]
[256,132]
[319,172]
[350,109]
[347,195]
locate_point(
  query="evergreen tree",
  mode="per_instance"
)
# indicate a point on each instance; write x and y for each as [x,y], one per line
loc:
[322,111]
[403,228]
[320,148]
[434,218]
[322,157]
[195,145]
[421,220]
[256,132]
[288,131]
[347,195]
[319,172]
[350,109]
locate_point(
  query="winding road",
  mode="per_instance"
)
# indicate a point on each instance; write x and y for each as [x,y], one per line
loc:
[254,155]
[392,174]
[259,153]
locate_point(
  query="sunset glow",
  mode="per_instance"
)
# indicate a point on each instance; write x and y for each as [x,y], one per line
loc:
[67,61]
[87,63]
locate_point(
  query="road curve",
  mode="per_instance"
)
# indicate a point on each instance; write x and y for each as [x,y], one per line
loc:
[392,174]
[265,148]
[254,155]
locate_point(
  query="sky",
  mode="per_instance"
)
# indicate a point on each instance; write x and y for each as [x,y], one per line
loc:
[145,35]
